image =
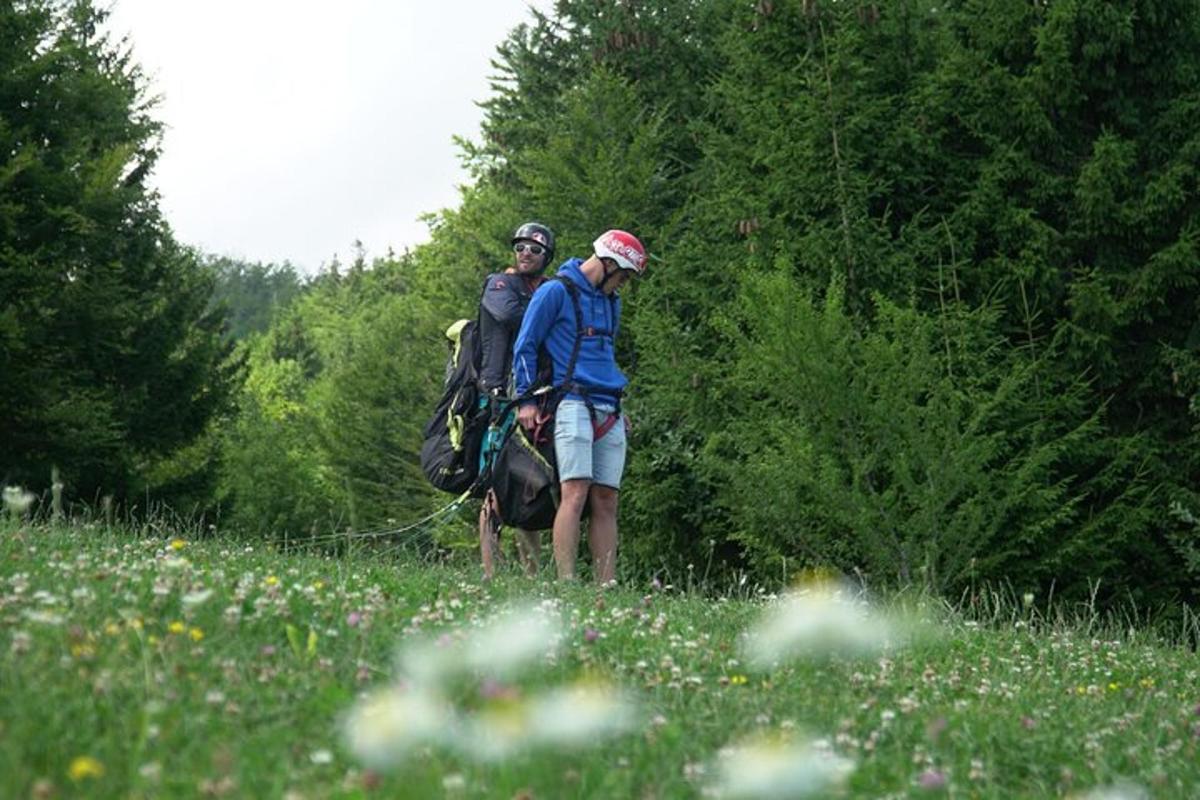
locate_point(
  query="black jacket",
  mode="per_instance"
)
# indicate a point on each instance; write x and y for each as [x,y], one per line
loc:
[505,298]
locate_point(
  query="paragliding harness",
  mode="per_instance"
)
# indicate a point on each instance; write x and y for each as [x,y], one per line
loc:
[453,435]
[518,466]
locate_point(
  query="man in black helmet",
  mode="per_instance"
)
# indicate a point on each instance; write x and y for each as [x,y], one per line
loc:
[505,298]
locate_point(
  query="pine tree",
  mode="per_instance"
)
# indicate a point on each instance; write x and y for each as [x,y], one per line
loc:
[109,353]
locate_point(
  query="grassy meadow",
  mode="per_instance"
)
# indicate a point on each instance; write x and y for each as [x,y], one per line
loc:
[163,665]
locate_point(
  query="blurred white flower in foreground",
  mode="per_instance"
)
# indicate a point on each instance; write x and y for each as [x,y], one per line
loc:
[495,731]
[581,714]
[511,640]
[561,717]
[385,725]
[1123,790]
[820,620]
[503,644]
[17,500]
[770,769]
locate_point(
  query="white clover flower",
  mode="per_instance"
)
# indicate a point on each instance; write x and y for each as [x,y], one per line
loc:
[193,599]
[778,769]
[820,621]
[17,500]
[21,642]
[386,725]
[580,714]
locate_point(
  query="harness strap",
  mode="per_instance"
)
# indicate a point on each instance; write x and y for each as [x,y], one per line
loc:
[598,428]
[598,431]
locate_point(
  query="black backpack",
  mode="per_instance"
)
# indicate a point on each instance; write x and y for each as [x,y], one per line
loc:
[524,479]
[450,452]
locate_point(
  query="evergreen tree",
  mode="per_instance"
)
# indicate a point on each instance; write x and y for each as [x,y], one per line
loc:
[251,293]
[109,354]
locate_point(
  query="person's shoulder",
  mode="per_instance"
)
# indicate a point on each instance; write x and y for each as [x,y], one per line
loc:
[551,287]
[500,282]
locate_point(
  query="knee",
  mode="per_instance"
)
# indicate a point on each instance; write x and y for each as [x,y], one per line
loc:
[604,501]
[574,494]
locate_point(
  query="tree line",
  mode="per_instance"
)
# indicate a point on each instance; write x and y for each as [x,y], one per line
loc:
[923,305]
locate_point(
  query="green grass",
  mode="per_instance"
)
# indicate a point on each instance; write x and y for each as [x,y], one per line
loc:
[224,703]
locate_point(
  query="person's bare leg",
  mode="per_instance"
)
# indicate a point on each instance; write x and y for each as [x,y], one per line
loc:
[602,533]
[566,525]
[529,546]
[489,530]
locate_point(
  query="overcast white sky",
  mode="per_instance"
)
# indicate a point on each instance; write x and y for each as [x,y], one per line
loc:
[294,128]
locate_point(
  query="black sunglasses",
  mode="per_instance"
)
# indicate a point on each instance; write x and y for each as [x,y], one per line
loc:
[521,247]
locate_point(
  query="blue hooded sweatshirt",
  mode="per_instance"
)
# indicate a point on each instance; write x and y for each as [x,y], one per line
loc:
[550,322]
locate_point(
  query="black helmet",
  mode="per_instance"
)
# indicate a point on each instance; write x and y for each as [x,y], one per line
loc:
[538,233]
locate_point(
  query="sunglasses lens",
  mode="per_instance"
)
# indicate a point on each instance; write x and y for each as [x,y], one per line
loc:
[536,249]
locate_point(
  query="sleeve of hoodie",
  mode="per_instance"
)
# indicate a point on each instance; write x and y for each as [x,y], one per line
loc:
[543,310]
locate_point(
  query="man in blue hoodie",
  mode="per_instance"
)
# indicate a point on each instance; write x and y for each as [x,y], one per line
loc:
[589,432]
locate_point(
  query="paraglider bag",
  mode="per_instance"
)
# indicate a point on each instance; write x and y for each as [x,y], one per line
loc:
[453,435]
[525,482]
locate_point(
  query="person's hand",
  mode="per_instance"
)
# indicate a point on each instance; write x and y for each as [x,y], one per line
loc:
[527,415]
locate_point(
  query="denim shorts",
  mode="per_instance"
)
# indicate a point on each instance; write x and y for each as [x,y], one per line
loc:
[578,456]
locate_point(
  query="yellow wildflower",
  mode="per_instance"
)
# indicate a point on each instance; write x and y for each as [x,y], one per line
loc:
[83,767]
[271,580]
[1080,690]
[112,629]
[1146,683]
[1112,687]
[176,627]
[82,650]
[196,634]
[737,680]
[178,544]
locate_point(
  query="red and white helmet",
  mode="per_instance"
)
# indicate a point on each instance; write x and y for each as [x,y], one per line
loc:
[623,248]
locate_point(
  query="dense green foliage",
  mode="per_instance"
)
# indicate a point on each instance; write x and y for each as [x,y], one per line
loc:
[322,438]
[251,293]
[923,302]
[880,456]
[110,359]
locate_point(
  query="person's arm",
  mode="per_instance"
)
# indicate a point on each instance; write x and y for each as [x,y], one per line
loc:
[543,310]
